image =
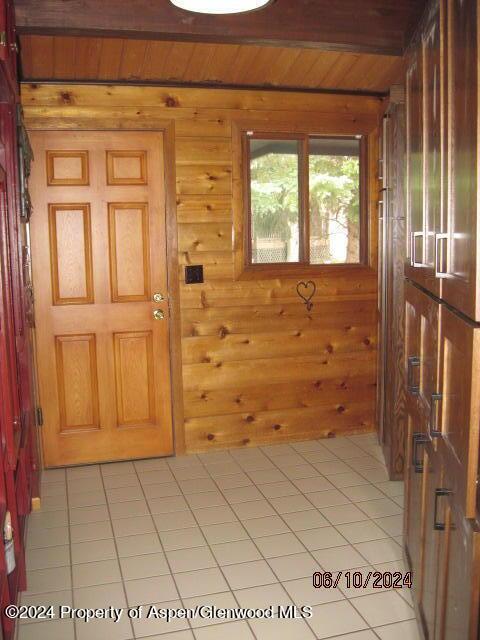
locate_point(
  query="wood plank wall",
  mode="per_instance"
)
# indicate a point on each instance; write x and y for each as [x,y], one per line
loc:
[257,367]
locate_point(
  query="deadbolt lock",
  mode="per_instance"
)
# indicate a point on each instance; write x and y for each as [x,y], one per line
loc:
[158,297]
[158,314]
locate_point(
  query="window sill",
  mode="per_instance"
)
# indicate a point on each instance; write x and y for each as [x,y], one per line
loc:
[295,271]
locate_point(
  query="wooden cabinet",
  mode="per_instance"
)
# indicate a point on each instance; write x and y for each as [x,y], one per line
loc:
[414,489]
[459,413]
[421,353]
[458,585]
[442,322]
[441,156]
[414,176]
[424,153]
[460,286]
[442,352]
[391,260]
[442,546]
[433,474]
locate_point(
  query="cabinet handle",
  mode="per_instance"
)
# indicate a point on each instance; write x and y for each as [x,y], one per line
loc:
[413,251]
[433,427]
[439,526]
[439,273]
[412,362]
[418,439]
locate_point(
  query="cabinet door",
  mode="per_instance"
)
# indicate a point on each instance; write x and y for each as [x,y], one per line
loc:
[414,168]
[421,353]
[414,496]
[426,605]
[459,574]
[382,284]
[425,152]
[459,415]
[460,286]
[433,114]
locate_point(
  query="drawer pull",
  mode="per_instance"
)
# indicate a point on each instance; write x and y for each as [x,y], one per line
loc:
[433,428]
[441,259]
[412,363]
[439,526]
[413,252]
[418,439]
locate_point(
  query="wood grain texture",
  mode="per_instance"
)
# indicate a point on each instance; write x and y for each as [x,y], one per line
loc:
[57,58]
[380,26]
[71,262]
[257,368]
[134,376]
[460,408]
[128,241]
[68,168]
[127,167]
[105,388]
[76,358]
[394,420]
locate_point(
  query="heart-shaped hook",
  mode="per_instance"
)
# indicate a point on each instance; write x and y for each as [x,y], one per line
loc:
[309,291]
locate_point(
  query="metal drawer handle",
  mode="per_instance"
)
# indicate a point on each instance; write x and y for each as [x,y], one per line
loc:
[418,439]
[439,273]
[412,362]
[439,526]
[413,252]
[433,427]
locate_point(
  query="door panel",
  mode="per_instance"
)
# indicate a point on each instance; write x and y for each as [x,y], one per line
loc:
[128,237]
[71,253]
[76,364]
[414,497]
[460,407]
[99,256]
[414,168]
[426,161]
[459,579]
[433,113]
[460,287]
[430,543]
[422,328]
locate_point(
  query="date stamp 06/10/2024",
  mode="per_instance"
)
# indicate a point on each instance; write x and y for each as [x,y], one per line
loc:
[382,580]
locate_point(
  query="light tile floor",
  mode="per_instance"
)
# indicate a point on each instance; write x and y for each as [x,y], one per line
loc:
[235,528]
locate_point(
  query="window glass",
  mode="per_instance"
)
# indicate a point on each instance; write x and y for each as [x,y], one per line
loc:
[274,200]
[334,197]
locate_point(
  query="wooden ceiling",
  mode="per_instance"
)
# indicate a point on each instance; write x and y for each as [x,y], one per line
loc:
[374,26]
[115,59]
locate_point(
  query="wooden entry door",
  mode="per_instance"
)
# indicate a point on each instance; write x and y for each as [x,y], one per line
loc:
[100,283]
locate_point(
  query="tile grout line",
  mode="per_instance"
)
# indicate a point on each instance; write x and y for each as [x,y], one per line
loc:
[280,582]
[369,564]
[211,550]
[70,548]
[204,464]
[116,546]
[271,459]
[163,551]
[298,539]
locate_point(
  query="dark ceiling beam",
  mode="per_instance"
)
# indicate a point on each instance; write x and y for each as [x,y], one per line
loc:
[371,26]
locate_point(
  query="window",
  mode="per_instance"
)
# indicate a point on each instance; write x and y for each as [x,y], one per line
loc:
[304,197]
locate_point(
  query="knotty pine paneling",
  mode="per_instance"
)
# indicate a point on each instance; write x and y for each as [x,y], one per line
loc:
[257,368]
[115,59]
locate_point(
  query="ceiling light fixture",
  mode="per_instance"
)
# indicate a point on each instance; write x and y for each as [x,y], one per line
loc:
[220,7]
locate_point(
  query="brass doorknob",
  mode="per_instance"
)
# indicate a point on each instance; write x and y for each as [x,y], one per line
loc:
[158,314]
[158,297]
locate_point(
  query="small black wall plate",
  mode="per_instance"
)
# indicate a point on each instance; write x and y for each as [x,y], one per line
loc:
[194,274]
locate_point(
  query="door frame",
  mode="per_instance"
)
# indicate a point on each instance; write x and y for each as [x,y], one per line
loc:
[167,129]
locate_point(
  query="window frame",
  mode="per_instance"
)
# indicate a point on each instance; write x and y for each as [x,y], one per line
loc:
[245,268]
